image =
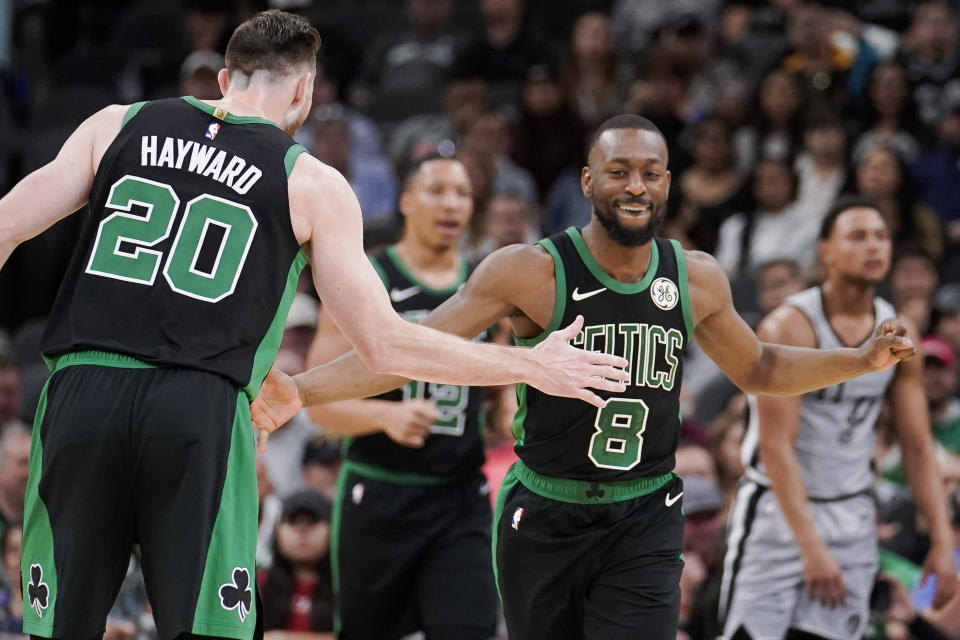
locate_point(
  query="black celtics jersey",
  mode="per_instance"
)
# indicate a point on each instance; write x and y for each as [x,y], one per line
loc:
[187,257]
[454,446]
[647,322]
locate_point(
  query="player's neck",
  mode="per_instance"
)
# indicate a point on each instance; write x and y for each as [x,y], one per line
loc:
[624,264]
[847,297]
[252,102]
[438,268]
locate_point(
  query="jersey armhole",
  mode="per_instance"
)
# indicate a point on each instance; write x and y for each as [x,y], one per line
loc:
[684,288]
[290,158]
[132,110]
[813,326]
[559,303]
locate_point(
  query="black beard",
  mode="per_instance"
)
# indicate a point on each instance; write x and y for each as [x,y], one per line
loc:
[624,236]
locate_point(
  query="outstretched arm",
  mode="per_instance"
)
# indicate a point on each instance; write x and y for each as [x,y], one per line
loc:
[60,187]
[325,213]
[912,420]
[769,369]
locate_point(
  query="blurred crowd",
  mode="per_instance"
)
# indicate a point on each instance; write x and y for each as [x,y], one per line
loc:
[771,109]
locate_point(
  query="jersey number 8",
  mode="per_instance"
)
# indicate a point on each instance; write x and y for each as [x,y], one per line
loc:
[618,439]
[122,247]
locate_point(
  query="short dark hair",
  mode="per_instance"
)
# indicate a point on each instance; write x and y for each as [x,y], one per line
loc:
[274,41]
[841,204]
[413,167]
[624,121]
[792,266]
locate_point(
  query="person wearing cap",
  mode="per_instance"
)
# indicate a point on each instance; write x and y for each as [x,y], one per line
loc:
[802,542]
[297,589]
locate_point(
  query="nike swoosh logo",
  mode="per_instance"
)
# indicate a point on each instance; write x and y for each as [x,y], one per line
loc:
[577,296]
[399,295]
[671,500]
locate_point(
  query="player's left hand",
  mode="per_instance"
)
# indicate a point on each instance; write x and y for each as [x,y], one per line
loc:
[888,346]
[940,563]
[277,402]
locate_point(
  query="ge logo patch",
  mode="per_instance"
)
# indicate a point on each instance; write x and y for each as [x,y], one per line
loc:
[664,293]
[237,594]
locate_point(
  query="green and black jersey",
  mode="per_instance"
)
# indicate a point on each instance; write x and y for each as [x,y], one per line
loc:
[647,322]
[187,257]
[454,447]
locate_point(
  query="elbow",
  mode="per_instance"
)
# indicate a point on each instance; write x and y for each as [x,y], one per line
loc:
[377,353]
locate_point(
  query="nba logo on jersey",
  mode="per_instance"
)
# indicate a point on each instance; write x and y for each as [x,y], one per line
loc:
[212,131]
[516,518]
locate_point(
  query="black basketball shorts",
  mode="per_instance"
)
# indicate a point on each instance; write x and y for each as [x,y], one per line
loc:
[124,453]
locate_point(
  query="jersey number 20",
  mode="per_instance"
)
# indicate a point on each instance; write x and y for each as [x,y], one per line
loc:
[122,250]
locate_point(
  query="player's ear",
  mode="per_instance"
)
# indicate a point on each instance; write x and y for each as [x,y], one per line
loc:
[403,203]
[223,79]
[304,88]
[586,182]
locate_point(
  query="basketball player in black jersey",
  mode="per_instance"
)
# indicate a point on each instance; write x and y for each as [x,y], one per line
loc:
[411,530]
[588,533]
[201,216]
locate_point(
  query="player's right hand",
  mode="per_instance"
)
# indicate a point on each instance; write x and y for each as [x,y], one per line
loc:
[888,346]
[570,372]
[277,402]
[408,423]
[823,577]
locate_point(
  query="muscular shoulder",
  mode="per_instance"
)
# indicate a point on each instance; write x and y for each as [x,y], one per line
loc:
[708,285]
[320,197]
[516,268]
[103,127]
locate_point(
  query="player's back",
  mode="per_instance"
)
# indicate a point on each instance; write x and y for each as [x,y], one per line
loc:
[835,443]
[187,257]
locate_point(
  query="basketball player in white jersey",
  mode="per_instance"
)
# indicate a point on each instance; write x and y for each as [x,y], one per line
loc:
[802,541]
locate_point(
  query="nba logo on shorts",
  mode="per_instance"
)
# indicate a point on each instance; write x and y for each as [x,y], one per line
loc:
[212,131]
[357,493]
[516,518]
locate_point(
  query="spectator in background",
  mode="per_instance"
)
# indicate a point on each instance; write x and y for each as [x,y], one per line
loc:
[931,58]
[489,133]
[593,79]
[539,147]
[321,464]
[712,184]
[821,165]
[636,23]
[941,385]
[11,596]
[198,75]
[881,175]
[371,177]
[703,508]
[775,131]
[830,61]
[726,436]
[505,46]
[889,114]
[14,469]
[9,390]
[776,280]
[694,459]
[776,228]
[464,98]
[403,71]
[510,220]
[659,93]
[913,281]
[297,589]
[936,176]
[946,314]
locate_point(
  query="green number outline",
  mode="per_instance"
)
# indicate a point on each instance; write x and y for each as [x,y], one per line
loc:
[122,212]
[604,425]
[190,209]
[451,407]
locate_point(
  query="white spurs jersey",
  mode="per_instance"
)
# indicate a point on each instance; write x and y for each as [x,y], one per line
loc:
[835,443]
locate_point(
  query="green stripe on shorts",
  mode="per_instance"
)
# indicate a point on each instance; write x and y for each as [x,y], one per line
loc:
[38,572]
[226,605]
[509,482]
